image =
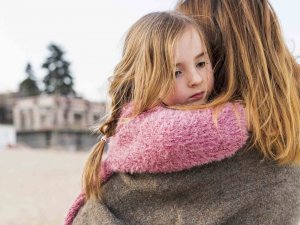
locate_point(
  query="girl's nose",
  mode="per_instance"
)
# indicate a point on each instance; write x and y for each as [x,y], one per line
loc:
[194,79]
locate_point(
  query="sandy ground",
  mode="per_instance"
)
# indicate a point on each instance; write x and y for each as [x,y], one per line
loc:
[38,186]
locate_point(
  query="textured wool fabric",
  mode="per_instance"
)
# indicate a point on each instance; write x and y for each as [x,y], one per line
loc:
[163,140]
[241,190]
[167,140]
[167,183]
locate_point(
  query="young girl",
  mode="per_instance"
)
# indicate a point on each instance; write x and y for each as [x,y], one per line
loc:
[165,67]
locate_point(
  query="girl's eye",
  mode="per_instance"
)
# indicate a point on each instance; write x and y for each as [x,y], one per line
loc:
[201,64]
[178,73]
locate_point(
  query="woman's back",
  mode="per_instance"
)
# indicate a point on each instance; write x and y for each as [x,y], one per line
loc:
[243,189]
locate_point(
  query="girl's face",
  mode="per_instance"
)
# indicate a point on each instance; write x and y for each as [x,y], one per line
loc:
[194,75]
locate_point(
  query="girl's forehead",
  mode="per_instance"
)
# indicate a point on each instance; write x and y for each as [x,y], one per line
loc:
[190,43]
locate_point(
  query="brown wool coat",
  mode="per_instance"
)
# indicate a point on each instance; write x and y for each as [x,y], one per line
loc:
[241,190]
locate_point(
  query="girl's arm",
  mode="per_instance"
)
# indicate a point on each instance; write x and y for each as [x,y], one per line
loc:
[167,140]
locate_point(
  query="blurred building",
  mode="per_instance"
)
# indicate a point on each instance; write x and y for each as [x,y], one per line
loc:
[7,136]
[7,130]
[47,121]
[7,101]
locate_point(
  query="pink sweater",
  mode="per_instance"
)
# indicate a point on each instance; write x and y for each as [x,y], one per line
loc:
[164,140]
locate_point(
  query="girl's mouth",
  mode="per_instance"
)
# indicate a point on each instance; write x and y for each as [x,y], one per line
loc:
[197,96]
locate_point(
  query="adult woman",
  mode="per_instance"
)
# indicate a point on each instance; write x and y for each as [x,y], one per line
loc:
[250,57]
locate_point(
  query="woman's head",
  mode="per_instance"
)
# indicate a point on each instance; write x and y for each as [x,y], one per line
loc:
[252,63]
[164,60]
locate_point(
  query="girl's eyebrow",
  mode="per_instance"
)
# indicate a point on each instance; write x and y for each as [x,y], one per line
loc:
[196,57]
[200,55]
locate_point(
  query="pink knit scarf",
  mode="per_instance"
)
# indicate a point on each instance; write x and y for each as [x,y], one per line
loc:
[164,140]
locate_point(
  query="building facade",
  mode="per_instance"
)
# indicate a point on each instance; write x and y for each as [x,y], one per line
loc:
[49,121]
[7,130]
[7,101]
[7,136]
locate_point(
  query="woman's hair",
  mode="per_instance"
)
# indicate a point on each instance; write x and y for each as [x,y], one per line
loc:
[144,75]
[252,63]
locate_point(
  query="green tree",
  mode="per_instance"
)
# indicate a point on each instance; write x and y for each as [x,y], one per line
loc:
[58,79]
[29,86]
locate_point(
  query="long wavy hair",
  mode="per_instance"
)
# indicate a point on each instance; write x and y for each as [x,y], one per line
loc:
[252,63]
[144,75]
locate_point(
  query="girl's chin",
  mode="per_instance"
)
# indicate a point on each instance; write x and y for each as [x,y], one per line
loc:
[196,102]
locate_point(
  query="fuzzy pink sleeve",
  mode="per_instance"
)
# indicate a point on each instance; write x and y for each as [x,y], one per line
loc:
[166,140]
[78,203]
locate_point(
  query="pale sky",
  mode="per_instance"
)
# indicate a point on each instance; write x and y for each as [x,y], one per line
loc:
[91,33]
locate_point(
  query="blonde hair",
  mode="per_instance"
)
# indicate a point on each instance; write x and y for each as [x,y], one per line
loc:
[144,75]
[252,63]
